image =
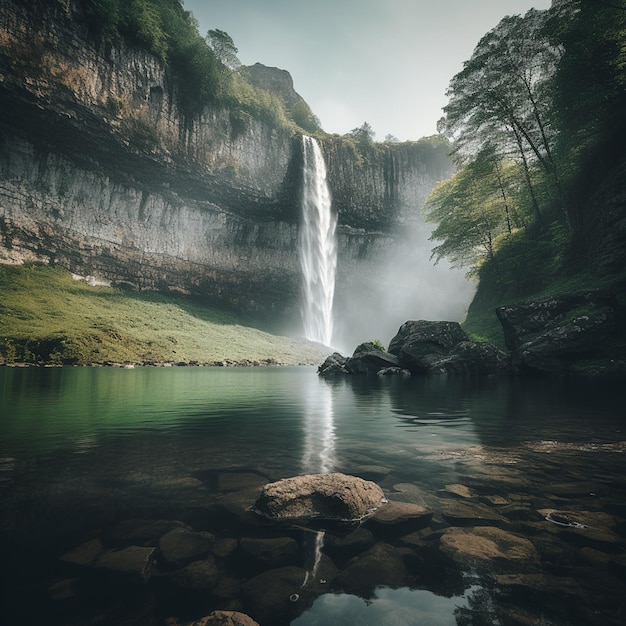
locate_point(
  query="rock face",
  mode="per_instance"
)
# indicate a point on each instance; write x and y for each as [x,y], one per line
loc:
[103,174]
[320,496]
[560,334]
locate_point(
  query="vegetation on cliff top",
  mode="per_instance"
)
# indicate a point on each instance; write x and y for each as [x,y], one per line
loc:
[48,317]
[205,70]
[536,120]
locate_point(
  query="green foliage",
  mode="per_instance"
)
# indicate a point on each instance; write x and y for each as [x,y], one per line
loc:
[224,48]
[303,117]
[538,112]
[363,135]
[473,210]
[205,70]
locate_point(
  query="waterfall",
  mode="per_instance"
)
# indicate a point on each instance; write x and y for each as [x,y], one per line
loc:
[318,248]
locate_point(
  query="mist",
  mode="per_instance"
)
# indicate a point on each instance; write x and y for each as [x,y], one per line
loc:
[396,283]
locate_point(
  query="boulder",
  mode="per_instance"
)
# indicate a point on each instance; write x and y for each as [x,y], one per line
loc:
[368,358]
[556,335]
[322,496]
[480,358]
[334,365]
[420,343]
[425,347]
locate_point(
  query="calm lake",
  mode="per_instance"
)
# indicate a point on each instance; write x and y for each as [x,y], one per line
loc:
[525,478]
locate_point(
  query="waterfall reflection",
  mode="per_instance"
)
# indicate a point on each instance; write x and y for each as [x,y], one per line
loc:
[318,455]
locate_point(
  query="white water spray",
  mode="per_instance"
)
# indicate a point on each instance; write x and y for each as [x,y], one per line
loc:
[318,247]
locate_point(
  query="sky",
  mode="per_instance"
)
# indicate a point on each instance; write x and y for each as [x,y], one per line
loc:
[384,62]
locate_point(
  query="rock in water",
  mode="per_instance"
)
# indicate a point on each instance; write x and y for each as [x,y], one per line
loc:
[334,364]
[419,343]
[368,358]
[320,496]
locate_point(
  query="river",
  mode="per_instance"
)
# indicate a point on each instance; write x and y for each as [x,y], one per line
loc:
[83,450]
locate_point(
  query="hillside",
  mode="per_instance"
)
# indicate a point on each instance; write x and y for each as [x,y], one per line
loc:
[49,317]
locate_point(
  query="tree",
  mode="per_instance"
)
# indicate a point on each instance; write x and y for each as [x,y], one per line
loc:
[364,134]
[473,209]
[501,98]
[224,48]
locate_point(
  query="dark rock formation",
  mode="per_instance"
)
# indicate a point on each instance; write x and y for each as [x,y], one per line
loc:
[334,365]
[320,496]
[368,358]
[420,344]
[561,334]
[421,347]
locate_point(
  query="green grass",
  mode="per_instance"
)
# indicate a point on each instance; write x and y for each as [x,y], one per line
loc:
[48,317]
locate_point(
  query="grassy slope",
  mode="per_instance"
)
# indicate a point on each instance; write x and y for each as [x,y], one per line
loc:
[47,316]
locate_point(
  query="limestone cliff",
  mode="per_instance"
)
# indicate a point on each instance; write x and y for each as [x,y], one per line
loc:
[102,173]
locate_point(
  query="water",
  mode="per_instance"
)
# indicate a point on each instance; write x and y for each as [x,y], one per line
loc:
[318,254]
[83,449]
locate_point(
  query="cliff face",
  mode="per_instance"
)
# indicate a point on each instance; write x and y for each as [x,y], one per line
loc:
[101,173]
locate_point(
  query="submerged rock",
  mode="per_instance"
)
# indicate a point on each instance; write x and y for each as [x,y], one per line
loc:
[199,576]
[382,565]
[399,518]
[275,592]
[322,496]
[181,546]
[225,618]
[273,552]
[488,544]
[133,563]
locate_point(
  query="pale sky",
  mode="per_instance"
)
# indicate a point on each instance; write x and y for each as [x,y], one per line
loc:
[385,62]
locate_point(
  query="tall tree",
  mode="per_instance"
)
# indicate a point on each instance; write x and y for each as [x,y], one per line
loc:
[501,98]
[472,209]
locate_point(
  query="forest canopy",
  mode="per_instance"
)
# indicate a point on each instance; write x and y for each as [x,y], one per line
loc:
[534,117]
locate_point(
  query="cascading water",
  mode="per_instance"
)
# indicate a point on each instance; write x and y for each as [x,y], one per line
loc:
[318,247]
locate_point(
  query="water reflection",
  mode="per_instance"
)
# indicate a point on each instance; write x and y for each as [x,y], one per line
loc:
[318,455]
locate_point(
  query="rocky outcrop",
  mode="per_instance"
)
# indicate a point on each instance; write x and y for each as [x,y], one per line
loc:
[320,496]
[421,347]
[563,334]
